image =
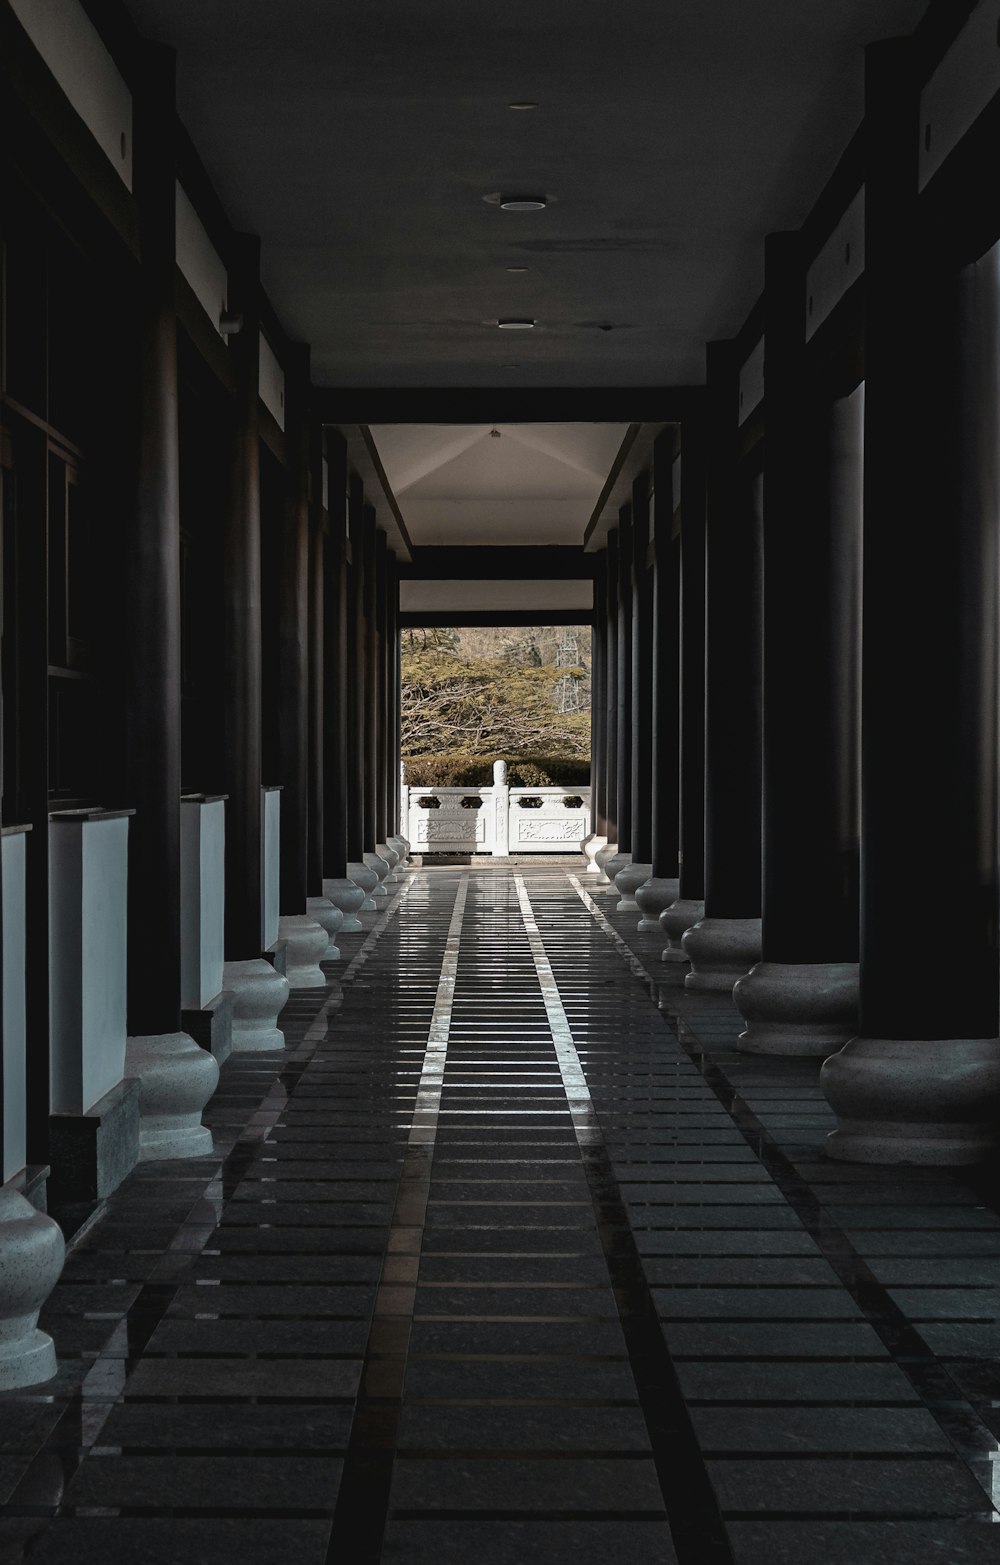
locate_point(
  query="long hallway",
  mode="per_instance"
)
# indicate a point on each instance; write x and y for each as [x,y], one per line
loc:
[500,1262]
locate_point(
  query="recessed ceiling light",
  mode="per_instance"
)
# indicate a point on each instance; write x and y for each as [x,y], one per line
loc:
[514,324]
[524,105]
[517,268]
[522,203]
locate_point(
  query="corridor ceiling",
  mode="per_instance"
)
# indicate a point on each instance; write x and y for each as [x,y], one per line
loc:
[362,139]
[506,484]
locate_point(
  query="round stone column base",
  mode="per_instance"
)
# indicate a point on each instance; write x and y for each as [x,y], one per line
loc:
[401,846]
[176,1079]
[327,913]
[652,898]
[802,1009]
[259,995]
[350,899]
[391,857]
[32,1252]
[675,921]
[601,857]
[914,1100]
[588,847]
[628,881]
[376,862]
[613,866]
[720,951]
[363,875]
[306,942]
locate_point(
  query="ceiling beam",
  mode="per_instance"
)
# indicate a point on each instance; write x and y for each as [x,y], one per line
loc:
[507,405]
[447,618]
[499,562]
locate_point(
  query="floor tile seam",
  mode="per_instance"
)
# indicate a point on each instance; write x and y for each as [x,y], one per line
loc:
[695,1520]
[880,1311]
[362,1511]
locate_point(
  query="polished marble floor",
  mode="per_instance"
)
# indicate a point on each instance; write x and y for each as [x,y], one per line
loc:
[501,1262]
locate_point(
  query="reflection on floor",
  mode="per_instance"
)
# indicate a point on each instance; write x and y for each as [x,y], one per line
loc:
[500,1263]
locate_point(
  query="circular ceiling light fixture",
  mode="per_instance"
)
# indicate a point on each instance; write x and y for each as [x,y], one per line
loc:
[515,324]
[517,268]
[524,105]
[522,203]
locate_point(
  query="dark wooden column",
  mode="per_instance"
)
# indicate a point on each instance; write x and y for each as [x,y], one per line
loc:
[318,525]
[152,574]
[692,588]
[293,645]
[624,680]
[370,677]
[802,998]
[392,690]
[810,910]
[922,1081]
[336,665]
[733,711]
[611,690]
[666,668]
[689,907]
[598,700]
[356,713]
[242,621]
[642,676]
[726,943]
[381,690]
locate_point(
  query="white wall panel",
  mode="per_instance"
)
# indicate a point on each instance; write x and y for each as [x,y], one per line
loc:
[272,382]
[199,261]
[837,266]
[752,382]
[72,49]
[961,87]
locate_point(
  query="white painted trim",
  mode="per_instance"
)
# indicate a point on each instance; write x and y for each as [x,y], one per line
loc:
[962,86]
[14,849]
[199,261]
[837,266]
[751,392]
[421,597]
[272,382]
[72,49]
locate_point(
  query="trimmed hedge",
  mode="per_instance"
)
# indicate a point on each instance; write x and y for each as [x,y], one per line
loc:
[457,769]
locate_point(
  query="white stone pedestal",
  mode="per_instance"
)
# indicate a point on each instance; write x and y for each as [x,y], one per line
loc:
[652,898]
[721,950]
[628,881]
[675,921]
[364,876]
[176,1079]
[88,893]
[31,1258]
[203,897]
[914,1100]
[13,845]
[614,864]
[801,1009]
[380,867]
[259,995]
[350,899]
[270,865]
[589,847]
[331,917]
[305,947]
